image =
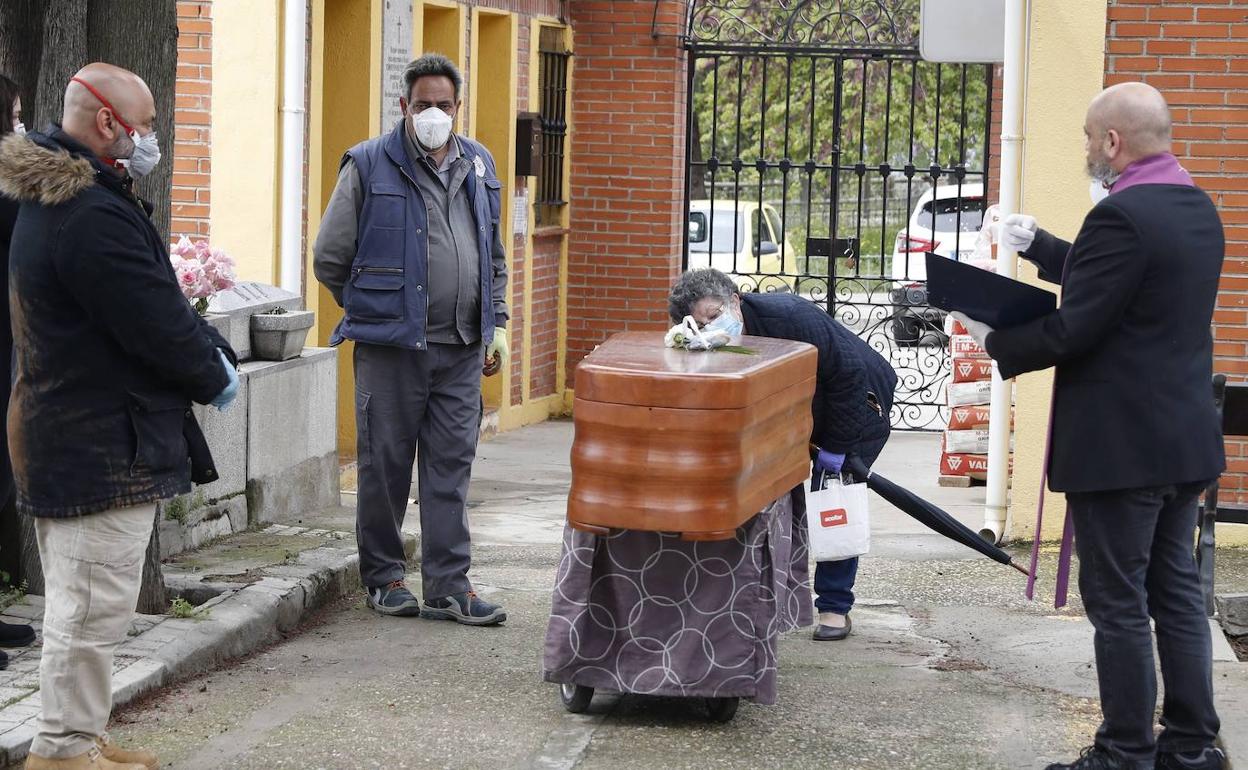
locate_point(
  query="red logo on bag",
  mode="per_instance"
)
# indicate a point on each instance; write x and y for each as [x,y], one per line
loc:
[955,463]
[834,518]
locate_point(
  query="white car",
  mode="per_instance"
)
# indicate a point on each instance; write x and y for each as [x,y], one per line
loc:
[945,221]
[744,239]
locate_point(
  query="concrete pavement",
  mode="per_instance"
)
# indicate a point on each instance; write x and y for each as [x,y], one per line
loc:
[949,666]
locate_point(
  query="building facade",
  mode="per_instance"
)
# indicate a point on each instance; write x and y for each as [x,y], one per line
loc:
[596,221]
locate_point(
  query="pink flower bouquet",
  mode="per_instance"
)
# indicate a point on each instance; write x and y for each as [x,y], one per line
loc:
[202,271]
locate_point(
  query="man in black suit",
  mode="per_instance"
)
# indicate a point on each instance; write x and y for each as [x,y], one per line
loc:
[1135,436]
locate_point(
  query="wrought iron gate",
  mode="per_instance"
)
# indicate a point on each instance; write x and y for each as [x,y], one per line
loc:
[825,157]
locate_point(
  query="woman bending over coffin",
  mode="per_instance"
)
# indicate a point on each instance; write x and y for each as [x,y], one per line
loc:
[853,396]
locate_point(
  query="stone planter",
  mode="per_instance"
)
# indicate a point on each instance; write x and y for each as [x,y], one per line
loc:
[280,337]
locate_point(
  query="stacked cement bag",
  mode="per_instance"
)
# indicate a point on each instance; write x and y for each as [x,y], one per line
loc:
[964,450]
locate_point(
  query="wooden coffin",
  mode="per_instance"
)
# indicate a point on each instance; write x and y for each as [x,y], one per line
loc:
[683,441]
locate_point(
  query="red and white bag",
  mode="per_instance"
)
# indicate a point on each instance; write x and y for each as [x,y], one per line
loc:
[973,441]
[965,346]
[838,521]
[969,393]
[971,369]
[964,464]
[968,417]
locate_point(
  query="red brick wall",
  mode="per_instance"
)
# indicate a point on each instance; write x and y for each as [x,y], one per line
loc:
[192,140]
[520,257]
[545,345]
[628,134]
[545,319]
[994,136]
[1196,53]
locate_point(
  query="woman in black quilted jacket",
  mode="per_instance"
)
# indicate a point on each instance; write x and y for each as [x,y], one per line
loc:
[853,394]
[10,121]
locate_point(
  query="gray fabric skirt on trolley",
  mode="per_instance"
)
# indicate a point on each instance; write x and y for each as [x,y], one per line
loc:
[649,613]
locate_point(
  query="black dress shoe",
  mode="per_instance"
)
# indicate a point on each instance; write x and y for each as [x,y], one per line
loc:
[13,635]
[832,633]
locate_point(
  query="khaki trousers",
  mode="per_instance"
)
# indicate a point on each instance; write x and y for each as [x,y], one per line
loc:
[92,569]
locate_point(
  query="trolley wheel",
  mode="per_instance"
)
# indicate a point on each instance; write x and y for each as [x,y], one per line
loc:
[576,697]
[722,709]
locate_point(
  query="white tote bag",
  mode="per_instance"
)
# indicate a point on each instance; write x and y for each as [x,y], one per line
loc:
[838,521]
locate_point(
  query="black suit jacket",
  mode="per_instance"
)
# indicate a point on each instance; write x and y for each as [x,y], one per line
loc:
[1133,404]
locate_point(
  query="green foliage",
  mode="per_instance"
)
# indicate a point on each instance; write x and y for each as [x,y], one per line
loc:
[894,111]
[179,508]
[11,594]
[176,509]
[785,107]
[181,608]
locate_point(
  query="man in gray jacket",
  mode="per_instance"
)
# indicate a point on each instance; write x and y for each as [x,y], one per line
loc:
[411,248]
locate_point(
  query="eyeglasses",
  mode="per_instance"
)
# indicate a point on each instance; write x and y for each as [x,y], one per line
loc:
[718,312]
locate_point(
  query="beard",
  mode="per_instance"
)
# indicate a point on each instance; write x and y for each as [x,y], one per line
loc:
[1100,170]
[121,148]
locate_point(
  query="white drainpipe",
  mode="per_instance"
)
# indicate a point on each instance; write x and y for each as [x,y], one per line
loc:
[1014,83]
[294,70]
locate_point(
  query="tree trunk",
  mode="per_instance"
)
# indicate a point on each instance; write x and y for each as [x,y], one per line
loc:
[142,36]
[697,179]
[32,565]
[21,33]
[64,51]
[42,44]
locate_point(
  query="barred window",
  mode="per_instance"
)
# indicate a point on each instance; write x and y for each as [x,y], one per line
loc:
[553,75]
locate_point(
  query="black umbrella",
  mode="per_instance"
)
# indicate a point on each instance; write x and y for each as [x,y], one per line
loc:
[929,515]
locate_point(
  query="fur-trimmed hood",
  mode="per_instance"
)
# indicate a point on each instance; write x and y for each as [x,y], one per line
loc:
[34,169]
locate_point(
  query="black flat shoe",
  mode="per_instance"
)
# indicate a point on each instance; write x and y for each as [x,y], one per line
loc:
[13,635]
[831,633]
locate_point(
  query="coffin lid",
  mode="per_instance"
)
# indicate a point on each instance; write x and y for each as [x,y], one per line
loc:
[636,368]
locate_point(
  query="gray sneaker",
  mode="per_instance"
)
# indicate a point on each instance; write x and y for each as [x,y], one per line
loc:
[1205,759]
[466,608]
[393,599]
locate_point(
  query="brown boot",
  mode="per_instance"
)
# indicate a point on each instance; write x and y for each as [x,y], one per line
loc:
[115,753]
[92,760]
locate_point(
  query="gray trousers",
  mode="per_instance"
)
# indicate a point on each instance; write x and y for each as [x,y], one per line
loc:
[1136,561]
[406,399]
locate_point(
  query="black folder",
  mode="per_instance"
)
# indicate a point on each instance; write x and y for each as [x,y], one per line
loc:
[984,296]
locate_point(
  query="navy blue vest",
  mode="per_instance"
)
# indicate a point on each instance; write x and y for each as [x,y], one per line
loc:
[385,298]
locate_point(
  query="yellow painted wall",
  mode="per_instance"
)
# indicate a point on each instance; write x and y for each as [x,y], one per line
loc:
[246,129]
[345,109]
[492,108]
[1065,70]
[439,26]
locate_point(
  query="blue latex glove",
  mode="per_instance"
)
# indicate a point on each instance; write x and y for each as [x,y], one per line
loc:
[829,462]
[226,397]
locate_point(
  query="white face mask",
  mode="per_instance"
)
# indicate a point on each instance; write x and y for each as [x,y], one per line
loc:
[726,321]
[1097,191]
[145,156]
[432,128]
[19,128]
